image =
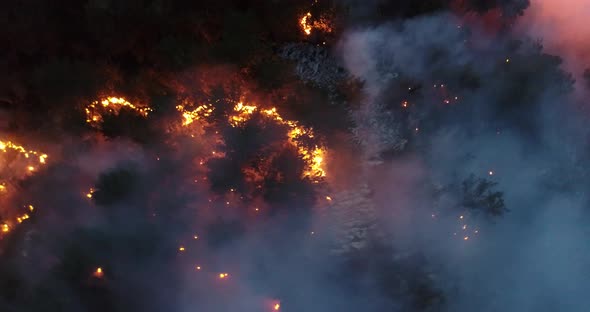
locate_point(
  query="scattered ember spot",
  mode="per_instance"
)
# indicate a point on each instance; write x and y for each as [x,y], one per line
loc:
[98,273]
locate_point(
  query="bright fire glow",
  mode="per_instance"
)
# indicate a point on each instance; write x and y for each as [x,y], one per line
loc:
[313,157]
[305,26]
[308,25]
[200,112]
[241,113]
[110,105]
[28,161]
[6,146]
[98,273]
[89,194]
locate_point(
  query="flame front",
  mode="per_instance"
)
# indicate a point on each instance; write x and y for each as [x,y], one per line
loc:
[313,157]
[110,105]
[241,113]
[27,159]
[305,26]
[202,111]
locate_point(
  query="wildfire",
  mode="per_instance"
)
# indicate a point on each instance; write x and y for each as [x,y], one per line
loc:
[32,158]
[5,146]
[200,112]
[111,105]
[307,25]
[241,113]
[313,157]
[9,225]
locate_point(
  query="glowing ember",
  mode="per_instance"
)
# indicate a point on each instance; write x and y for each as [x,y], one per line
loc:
[223,275]
[89,194]
[110,105]
[277,306]
[22,218]
[98,273]
[181,248]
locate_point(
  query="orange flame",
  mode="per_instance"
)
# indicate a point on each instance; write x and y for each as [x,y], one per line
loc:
[313,157]
[307,25]
[31,159]
[110,105]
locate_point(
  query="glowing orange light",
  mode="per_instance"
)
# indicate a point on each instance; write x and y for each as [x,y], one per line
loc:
[313,157]
[181,248]
[277,306]
[198,113]
[110,105]
[98,273]
[90,192]
[305,26]
[223,275]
